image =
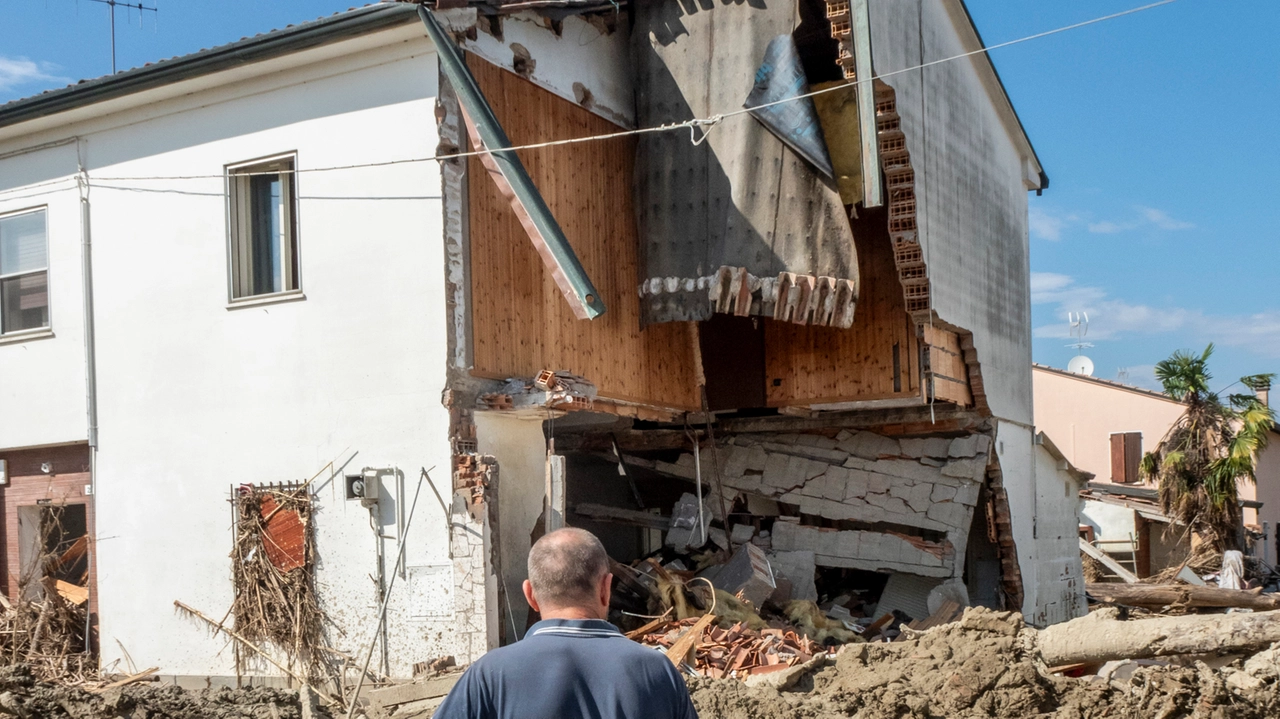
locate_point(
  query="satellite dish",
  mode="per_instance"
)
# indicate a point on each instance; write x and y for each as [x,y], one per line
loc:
[1080,365]
[1079,328]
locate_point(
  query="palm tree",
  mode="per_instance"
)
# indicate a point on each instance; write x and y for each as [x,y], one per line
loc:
[1210,449]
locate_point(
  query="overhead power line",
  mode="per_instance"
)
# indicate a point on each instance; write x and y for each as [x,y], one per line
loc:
[693,125]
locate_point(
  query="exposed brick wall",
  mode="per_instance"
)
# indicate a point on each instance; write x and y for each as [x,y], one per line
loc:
[65,484]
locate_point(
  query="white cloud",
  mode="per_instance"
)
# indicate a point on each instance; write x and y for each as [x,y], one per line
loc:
[1161,219]
[1148,217]
[1107,227]
[1113,318]
[1046,225]
[1050,225]
[18,71]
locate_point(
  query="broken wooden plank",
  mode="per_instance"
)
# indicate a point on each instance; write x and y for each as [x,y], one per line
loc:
[413,692]
[649,627]
[1108,562]
[72,593]
[679,651]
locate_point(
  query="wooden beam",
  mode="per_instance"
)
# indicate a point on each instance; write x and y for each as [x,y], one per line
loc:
[628,440]
[857,419]
[1108,562]
[1183,595]
[617,515]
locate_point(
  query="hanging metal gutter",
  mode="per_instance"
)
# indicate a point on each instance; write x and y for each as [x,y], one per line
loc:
[513,180]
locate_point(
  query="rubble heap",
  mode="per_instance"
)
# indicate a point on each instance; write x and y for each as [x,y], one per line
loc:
[987,665]
[22,695]
[736,651]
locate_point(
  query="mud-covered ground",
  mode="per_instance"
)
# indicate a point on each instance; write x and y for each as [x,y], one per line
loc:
[985,666]
[22,696]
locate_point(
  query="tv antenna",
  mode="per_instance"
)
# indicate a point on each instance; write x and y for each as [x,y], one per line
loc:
[1079,364]
[113,4]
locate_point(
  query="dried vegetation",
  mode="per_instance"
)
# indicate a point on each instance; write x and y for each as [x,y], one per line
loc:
[275,598]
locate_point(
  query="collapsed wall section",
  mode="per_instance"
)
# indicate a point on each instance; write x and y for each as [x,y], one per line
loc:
[859,500]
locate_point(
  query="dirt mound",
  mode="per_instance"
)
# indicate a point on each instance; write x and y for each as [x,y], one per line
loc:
[985,665]
[21,695]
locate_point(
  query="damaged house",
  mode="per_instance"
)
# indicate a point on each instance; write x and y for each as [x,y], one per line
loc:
[267,294]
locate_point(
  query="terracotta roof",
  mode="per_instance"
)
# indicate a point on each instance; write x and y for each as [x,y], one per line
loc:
[1105,382]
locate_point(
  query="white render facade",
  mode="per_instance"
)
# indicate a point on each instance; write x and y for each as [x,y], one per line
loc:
[193,393]
[197,394]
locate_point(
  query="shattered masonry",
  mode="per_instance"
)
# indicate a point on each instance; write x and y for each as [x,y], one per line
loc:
[471,547]
[928,485]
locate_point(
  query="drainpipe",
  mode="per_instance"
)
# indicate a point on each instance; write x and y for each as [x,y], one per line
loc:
[513,181]
[90,363]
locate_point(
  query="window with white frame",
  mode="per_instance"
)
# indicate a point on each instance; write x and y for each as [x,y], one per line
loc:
[24,272]
[263,228]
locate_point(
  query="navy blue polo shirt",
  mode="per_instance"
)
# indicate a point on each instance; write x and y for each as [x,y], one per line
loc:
[570,669]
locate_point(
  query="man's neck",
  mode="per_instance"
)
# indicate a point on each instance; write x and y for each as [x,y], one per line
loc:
[569,613]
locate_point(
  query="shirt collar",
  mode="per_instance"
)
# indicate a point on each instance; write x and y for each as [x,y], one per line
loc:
[580,628]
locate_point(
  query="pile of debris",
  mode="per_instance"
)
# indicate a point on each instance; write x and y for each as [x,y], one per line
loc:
[47,626]
[989,664]
[47,632]
[272,571]
[737,651]
[22,694]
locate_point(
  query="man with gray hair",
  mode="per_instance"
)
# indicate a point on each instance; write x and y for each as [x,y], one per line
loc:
[573,663]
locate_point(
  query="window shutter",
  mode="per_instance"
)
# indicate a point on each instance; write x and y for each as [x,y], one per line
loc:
[1126,456]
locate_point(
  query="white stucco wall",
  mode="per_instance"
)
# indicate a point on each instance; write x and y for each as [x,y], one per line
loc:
[1268,492]
[1044,511]
[1059,585]
[1110,522]
[520,447]
[583,57]
[42,380]
[971,198]
[196,397]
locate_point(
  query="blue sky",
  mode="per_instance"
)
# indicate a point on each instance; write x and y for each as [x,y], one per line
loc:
[1160,132]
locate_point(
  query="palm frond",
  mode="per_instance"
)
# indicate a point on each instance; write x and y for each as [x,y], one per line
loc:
[1184,375]
[1258,382]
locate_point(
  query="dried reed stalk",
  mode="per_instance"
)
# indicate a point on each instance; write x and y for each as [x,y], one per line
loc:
[40,628]
[273,606]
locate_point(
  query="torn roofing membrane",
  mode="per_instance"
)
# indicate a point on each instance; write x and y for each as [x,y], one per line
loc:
[742,206]
[781,79]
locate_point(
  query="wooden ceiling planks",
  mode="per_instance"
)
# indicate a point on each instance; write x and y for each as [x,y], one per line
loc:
[521,324]
[876,359]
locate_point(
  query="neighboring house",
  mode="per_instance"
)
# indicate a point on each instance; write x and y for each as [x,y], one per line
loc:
[244,266]
[1104,427]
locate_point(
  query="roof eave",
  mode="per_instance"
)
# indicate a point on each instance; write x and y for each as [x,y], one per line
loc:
[204,62]
[1022,130]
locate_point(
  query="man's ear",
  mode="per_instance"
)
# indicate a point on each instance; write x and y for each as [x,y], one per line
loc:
[528,596]
[606,589]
